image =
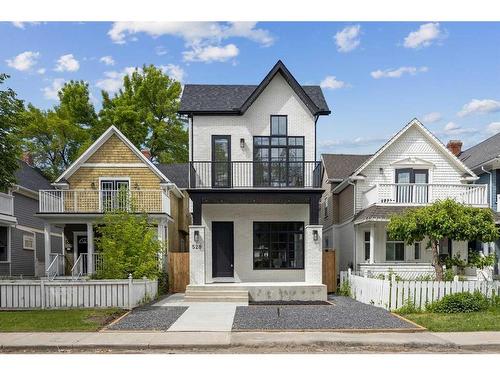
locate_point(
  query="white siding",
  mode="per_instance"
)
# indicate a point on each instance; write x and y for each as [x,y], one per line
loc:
[413,143]
[277,99]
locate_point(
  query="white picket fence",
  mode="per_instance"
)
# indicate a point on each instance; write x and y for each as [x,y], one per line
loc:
[392,294]
[64,294]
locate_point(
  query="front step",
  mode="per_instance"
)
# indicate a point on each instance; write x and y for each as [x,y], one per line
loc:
[199,293]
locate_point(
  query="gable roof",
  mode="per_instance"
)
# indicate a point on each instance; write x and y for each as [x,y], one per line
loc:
[178,173]
[236,99]
[481,153]
[431,137]
[112,130]
[31,178]
[340,166]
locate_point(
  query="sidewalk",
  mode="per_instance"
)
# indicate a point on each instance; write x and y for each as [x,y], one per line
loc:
[171,340]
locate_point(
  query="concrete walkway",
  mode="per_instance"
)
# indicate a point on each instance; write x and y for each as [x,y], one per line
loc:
[214,340]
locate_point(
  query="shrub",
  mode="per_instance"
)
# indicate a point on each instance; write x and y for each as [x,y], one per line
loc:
[463,302]
[408,308]
[344,289]
[448,275]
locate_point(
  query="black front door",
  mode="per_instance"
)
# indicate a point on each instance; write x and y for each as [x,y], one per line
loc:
[81,247]
[222,249]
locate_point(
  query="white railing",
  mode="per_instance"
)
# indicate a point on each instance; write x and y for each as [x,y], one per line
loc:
[6,204]
[80,268]
[64,294]
[56,266]
[405,270]
[392,294]
[420,194]
[98,201]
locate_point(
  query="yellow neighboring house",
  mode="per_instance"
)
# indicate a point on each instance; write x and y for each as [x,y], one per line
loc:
[111,174]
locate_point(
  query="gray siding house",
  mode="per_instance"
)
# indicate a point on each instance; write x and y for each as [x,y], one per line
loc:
[21,233]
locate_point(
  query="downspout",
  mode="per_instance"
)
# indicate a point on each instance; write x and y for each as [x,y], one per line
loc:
[355,262]
[316,118]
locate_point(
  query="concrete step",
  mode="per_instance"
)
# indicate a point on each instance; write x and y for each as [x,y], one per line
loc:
[215,294]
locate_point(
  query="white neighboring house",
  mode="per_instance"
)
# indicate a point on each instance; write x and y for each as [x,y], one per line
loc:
[412,169]
[255,187]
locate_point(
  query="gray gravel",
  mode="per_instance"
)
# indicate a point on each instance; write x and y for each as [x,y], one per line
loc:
[345,313]
[150,318]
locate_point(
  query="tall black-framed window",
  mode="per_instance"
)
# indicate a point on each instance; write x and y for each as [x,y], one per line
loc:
[279,159]
[278,245]
[221,161]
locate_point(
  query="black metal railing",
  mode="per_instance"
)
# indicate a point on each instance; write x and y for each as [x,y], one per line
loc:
[254,174]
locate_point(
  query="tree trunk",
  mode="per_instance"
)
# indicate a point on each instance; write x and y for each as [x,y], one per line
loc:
[435,260]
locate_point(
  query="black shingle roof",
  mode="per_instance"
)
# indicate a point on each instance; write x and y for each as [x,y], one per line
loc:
[341,166]
[482,152]
[178,173]
[31,178]
[235,99]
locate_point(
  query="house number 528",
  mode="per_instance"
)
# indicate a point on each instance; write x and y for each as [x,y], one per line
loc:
[196,246]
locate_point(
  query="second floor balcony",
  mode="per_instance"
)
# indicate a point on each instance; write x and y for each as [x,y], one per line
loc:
[422,194]
[254,175]
[101,201]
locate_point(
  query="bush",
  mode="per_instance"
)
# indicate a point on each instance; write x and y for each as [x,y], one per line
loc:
[464,302]
[344,289]
[408,308]
[449,275]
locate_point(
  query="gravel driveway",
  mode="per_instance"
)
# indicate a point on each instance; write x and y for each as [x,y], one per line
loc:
[345,313]
[150,318]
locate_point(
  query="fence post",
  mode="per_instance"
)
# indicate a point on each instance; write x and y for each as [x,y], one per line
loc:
[349,273]
[145,280]
[455,278]
[42,293]
[130,291]
[365,273]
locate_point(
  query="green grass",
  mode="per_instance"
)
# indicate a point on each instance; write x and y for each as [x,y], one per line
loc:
[57,320]
[461,322]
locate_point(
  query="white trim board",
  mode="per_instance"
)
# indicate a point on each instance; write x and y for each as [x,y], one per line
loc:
[113,165]
[35,230]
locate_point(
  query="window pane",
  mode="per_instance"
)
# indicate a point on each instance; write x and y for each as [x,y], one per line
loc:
[3,244]
[417,250]
[389,251]
[367,251]
[400,251]
[367,236]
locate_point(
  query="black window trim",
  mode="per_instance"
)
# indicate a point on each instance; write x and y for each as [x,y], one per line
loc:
[228,137]
[271,126]
[283,268]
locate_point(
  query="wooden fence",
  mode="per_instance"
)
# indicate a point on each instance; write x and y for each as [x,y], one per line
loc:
[178,272]
[329,270]
[392,294]
[44,294]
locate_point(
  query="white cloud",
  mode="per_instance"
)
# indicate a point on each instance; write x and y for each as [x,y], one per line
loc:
[41,71]
[331,82]
[24,61]
[67,63]
[192,32]
[160,50]
[480,106]
[493,128]
[351,143]
[454,129]
[174,72]
[424,36]
[22,25]
[50,92]
[397,73]
[108,60]
[113,80]
[348,38]
[432,117]
[211,53]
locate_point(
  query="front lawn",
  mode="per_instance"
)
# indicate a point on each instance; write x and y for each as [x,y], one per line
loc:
[488,320]
[57,320]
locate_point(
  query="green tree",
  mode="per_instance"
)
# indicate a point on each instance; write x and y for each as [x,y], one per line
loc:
[128,244]
[57,136]
[443,219]
[11,109]
[145,110]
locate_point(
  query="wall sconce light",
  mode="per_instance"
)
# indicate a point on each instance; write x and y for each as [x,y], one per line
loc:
[242,142]
[381,170]
[92,185]
[196,236]
[315,235]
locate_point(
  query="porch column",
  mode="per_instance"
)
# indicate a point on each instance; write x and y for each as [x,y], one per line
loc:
[47,244]
[90,248]
[313,254]
[163,242]
[372,244]
[197,254]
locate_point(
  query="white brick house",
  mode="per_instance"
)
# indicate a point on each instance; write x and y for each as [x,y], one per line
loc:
[255,187]
[412,169]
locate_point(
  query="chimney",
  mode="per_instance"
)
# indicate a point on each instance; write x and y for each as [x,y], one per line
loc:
[27,158]
[147,153]
[455,146]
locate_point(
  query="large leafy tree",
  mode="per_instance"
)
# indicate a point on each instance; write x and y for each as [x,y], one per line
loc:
[443,219]
[56,137]
[145,110]
[11,109]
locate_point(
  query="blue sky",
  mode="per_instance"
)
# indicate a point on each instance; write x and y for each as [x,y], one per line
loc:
[376,76]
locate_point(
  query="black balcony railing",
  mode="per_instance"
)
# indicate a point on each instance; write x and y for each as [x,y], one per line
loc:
[254,174]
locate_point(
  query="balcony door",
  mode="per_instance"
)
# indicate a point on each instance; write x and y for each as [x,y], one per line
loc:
[221,161]
[412,185]
[114,194]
